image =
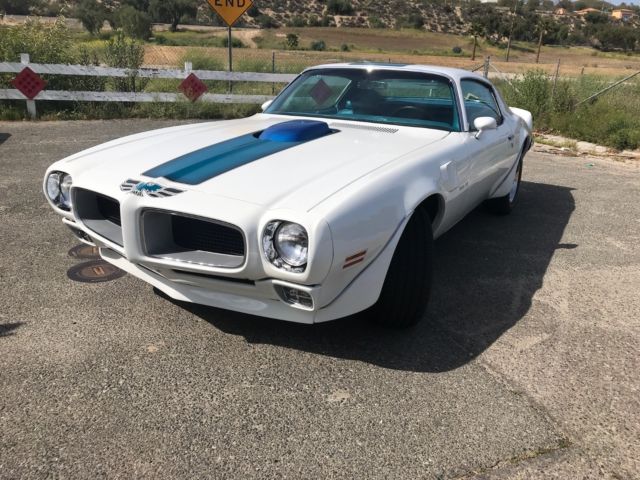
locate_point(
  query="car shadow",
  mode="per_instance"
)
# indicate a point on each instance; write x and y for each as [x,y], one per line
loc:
[6,329]
[4,137]
[486,272]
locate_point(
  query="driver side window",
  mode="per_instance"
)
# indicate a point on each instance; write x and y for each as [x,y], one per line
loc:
[479,101]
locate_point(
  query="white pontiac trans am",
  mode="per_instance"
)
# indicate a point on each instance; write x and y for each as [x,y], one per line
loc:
[323,205]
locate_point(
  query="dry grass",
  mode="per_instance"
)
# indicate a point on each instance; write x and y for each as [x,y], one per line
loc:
[404,46]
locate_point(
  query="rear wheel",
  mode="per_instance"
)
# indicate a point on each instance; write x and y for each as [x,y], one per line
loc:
[406,288]
[504,205]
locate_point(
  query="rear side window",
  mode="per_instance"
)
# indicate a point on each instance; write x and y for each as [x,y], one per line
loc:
[479,101]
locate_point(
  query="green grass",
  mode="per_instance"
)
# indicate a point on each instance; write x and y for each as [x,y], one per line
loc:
[16,110]
[613,119]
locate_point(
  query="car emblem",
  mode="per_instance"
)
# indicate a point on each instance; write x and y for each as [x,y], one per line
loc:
[148,189]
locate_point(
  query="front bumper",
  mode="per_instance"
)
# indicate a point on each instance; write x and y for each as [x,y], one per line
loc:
[254,298]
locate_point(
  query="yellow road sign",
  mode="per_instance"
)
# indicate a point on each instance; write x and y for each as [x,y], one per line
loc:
[230,10]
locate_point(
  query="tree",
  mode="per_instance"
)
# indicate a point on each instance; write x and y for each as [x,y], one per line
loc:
[92,15]
[171,11]
[476,30]
[133,23]
[18,7]
[541,27]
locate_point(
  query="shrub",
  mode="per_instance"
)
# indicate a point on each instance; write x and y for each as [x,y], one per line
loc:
[201,60]
[43,42]
[339,7]
[133,23]
[456,50]
[292,41]
[344,47]
[327,21]
[314,21]
[414,20]
[375,22]
[235,42]
[265,21]
[297,21]
[531,92]
[123,52]
[318,45]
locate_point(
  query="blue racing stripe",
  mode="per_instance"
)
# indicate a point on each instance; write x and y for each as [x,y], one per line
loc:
[208,162]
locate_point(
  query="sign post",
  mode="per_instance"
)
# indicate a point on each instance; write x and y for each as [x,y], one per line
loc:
[230,11]
[230,49]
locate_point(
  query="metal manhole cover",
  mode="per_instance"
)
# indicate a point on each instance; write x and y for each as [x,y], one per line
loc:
[95,271]
[85,252]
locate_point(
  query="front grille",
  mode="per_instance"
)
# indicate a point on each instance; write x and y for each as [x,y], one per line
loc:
[194,234]
[109,209]
[99,213]
[192,240]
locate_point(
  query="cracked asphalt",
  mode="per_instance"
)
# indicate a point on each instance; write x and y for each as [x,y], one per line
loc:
[527,367]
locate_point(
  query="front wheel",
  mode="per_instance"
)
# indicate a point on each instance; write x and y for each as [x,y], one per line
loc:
[504,205]
[406,288]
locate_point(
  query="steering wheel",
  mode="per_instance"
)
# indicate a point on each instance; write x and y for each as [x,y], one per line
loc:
[417,112]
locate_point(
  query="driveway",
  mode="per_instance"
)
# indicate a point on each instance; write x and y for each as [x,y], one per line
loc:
[526,368]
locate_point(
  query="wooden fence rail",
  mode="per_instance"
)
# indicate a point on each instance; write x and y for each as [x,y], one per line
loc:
[96,71]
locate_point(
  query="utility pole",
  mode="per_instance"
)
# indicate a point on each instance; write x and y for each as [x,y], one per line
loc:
[539,44]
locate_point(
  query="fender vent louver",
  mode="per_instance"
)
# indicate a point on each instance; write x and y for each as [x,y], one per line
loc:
[364,127]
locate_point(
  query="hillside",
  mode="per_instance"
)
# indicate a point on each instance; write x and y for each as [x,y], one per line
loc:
[434,16]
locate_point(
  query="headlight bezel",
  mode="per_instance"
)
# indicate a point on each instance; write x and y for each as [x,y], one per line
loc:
[58,189]
[274,252]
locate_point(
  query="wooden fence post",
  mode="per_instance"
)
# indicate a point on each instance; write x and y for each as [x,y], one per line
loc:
[31,104]
[487,62]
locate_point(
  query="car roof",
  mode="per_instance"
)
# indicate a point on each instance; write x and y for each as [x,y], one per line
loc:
[452,73]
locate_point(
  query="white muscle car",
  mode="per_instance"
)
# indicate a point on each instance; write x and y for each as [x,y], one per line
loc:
[323,205]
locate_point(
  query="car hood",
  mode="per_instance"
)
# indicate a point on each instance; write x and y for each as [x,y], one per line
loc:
[298,177]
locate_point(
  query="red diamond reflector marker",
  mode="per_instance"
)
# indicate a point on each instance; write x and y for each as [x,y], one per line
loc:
[320,92]
[192,87]
[29,83]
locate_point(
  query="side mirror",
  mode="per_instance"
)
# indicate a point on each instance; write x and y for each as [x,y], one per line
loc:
[484,123]
[265,105]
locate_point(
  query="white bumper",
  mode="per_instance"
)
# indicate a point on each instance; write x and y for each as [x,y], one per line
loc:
[255,287]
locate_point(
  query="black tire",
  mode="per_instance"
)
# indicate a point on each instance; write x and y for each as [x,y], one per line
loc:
[405,292]
[505,205]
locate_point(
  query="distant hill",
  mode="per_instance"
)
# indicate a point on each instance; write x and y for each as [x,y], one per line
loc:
[433,16]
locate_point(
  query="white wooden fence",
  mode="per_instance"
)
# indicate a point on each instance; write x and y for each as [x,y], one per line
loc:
[94,71]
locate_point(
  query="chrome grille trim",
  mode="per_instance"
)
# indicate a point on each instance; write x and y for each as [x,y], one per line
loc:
[158,241]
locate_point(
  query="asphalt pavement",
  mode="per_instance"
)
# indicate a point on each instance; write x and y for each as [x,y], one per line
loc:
[527,366]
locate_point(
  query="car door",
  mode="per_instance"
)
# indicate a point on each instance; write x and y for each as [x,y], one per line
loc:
[492,148]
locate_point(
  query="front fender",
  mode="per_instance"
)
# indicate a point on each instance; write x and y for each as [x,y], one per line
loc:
[366,226]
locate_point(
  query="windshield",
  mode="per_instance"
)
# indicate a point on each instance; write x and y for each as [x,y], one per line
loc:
[381,96]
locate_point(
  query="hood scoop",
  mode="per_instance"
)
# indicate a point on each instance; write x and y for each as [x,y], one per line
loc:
[295,131]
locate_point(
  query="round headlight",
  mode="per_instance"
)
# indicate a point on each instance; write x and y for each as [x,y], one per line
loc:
[59,189]
[65,191]
[53,186]
[292,243]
